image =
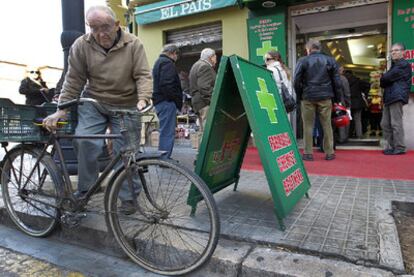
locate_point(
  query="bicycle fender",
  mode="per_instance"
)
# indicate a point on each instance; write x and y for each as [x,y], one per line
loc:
[149,155]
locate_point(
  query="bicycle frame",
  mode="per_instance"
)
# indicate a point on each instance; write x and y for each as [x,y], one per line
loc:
[67,183]
[68,191]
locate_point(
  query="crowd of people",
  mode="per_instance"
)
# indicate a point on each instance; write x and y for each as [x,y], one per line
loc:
[111,66]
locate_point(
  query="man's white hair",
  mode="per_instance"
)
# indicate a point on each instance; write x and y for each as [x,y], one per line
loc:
[104,9]
[207,53]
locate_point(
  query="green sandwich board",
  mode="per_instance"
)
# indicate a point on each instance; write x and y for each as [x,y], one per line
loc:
[245,100]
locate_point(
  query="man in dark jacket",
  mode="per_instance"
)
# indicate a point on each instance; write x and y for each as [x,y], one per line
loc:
[202,79]
[167,96]
[317,82]
[358,89]
[396,83]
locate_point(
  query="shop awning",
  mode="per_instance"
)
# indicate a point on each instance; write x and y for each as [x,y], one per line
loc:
[169,9]
[260,4]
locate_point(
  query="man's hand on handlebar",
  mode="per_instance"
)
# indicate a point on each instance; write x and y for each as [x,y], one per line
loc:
[141,104]
[50,122]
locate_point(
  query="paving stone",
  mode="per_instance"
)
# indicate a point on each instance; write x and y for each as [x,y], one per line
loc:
[266,262]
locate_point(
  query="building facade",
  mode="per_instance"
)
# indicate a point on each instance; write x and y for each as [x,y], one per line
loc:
[357,33]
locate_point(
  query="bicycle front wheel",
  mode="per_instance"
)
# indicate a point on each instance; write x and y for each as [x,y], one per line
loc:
[161,235]
[30,192]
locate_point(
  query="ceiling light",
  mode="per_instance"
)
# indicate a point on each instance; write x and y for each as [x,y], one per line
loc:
[371,46]
[268,4]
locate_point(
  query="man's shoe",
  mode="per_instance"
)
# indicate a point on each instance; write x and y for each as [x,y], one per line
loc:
[398,152]
[79,194]
[330,157]
[307,157]
[127,207]
[388,151]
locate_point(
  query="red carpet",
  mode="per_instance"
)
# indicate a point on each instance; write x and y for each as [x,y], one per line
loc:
[350,163]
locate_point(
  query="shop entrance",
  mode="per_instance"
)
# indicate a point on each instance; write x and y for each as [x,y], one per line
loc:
[357,38]
[191,41]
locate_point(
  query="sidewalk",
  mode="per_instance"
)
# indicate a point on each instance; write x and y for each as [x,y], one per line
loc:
[348,218]
[343,229]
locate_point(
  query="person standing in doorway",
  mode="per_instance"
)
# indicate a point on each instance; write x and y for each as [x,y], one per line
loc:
[167,96]
[343,132]
[358,102]
[396,83]
[317,83]
[202,78]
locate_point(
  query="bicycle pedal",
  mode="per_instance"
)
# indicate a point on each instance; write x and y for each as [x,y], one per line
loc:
[72,220]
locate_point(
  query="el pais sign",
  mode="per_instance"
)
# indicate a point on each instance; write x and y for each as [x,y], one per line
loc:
[169,9]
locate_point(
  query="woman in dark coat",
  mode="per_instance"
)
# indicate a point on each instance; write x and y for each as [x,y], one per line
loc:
[35,89]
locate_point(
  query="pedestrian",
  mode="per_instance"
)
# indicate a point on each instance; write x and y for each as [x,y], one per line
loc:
[202,78]
[317,84]
[34,88]
[343,132]
[111,66]
[167,96]
[396,83]
[358,101]
[281,72]
[282,76]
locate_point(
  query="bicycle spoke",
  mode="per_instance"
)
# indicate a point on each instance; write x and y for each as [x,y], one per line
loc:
[29,190]
[168,240]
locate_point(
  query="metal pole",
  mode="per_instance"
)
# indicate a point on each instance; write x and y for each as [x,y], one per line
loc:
[73,23]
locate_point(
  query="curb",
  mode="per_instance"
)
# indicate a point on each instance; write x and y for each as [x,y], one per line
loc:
[231,258]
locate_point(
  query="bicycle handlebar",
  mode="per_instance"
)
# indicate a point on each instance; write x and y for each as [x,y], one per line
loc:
[101,108]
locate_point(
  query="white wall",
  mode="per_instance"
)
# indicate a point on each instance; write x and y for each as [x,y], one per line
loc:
[11,75]
[409,123]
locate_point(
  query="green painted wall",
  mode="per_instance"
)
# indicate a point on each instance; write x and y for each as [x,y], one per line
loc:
[233,23]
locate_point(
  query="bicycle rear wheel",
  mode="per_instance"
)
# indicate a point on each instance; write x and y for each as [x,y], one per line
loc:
[30,192]
[161,236]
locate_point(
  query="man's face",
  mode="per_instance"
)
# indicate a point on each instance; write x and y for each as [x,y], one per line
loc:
[103,28]
[174,56]
[396,52]
[341,70]
[213,60]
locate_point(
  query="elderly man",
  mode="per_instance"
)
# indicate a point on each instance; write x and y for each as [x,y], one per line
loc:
[317,83]
[110,66]
[396,83]
[167,96]
[202,79]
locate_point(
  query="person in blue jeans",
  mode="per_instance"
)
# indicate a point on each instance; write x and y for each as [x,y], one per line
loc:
[167,96]
[110,66]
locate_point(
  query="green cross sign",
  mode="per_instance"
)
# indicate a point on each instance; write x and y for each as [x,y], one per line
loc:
[266,46]
[267,100]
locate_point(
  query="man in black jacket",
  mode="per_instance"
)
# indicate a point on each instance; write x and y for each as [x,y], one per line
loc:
[317,82]
[167,96]
[396,83]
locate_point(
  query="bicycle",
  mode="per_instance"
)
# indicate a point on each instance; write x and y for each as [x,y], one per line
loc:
[161,236]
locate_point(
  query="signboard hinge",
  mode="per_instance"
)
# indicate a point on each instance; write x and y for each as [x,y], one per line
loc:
[231,117]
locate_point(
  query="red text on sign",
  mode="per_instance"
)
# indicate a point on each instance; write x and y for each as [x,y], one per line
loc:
[409,54]
[286,161]
[280,141]
[292,181]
